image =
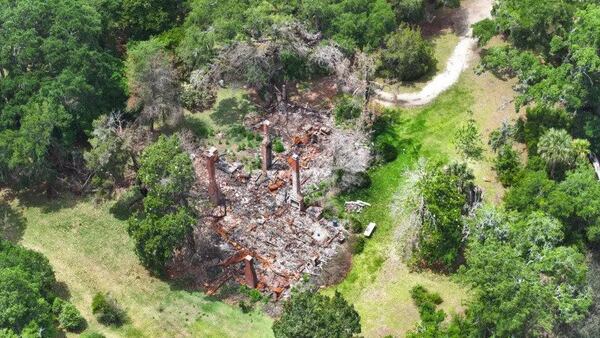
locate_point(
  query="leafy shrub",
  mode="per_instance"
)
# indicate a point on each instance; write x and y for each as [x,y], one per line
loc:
[107,310]
[359,245]
[239,132]
[26,284]
[311,314]
[443,192]
[197,100]
[421,296]
[409,10]
[253,294]
[278,146]
[346,109]
[539,120]
[484,30]
[507,165]
[407,56]
[593,234]
[245,308]
[57,306]
[157,236]
[8,333]
[431,319]
[468,140]
[70,318]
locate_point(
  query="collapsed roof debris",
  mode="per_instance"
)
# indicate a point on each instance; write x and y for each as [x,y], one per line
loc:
[268,238]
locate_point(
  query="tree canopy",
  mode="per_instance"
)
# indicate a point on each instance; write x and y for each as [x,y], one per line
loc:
[48,101]
[26,284]
[166,172]
[525,282]
[311,314]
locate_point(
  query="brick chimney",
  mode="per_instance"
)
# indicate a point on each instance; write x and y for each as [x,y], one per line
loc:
[296,197]
[249,272]
[212,156]
[266,147]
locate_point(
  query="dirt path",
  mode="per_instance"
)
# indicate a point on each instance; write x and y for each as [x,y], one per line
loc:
[471,12]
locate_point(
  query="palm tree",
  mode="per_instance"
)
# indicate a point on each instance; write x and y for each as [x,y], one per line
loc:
[581,149]
[556,148]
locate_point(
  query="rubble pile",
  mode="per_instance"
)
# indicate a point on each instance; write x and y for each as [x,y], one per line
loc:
[268,238]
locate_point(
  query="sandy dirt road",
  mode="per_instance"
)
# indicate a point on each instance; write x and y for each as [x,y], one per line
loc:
[471,12]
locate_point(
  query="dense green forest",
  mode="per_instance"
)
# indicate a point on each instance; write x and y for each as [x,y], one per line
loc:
[104,100]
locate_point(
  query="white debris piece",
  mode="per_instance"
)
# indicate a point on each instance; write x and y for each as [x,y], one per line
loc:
[369,229]
[356,206]
[596,164]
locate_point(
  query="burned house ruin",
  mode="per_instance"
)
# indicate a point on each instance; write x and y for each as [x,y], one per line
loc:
[270,237]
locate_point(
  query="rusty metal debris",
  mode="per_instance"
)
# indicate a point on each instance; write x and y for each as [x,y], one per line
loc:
[269,238]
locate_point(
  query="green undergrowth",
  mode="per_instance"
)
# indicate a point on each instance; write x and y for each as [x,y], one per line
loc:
[419,133]
[91,252]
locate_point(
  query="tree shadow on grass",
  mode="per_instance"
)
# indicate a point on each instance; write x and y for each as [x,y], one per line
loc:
[61,289]
[12,223]
[199,128]
[232,110]
[47,204]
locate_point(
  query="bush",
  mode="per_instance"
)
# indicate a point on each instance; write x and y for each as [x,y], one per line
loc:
[311,314]
[356,226]
[57,306]
[245,308]
[359,245]
[107,310]
[346,109]
[196,100]
[278,146]
[507,166]
[467,140]
[70,318]
[407,56]
[484,30]
[421,296]
[539,120]
[8,333]
[409,10]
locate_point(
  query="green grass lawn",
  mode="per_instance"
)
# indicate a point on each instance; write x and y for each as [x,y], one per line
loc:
[221,126]
[379,282]
[90,251]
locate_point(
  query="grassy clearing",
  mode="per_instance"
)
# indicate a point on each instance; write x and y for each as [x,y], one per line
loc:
[379,281]
[222,126]
[90,251]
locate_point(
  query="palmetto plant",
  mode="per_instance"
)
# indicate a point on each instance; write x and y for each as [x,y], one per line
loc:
[556,148]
